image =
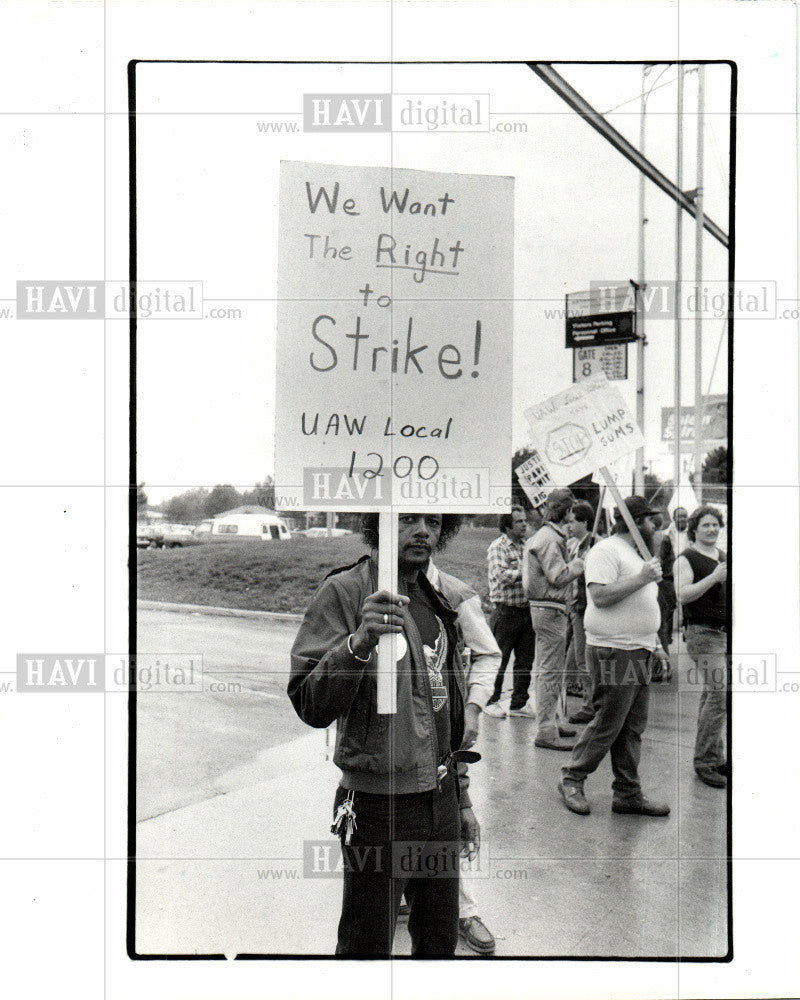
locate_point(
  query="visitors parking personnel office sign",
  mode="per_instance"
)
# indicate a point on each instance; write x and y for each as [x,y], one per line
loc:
[394,339]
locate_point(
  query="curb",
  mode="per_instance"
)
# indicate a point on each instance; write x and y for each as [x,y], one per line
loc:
[205,609]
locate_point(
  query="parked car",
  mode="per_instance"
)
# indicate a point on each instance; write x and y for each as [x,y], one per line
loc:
[149,536]
[323,532]
[178,535]
[166,536]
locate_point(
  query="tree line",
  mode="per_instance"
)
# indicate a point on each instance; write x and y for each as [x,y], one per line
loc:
[201,503]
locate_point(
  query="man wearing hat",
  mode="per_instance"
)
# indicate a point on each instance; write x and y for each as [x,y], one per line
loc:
[622,620]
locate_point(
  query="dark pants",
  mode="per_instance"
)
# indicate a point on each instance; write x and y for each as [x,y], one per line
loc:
[513,630]
[667,603]
[403,844]
[621,695]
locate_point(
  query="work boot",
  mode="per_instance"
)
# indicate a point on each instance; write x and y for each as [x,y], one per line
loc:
[573,797]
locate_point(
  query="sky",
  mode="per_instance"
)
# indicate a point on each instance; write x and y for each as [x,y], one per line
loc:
[208,211]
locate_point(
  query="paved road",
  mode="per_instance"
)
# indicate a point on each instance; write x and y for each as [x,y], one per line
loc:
[187,743]
[552,883]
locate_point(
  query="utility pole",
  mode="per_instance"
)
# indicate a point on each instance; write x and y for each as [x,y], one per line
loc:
[698,280]
[638,467]
[678,281]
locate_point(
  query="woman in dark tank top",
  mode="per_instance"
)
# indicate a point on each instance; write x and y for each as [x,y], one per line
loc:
[711,607]
[701,576]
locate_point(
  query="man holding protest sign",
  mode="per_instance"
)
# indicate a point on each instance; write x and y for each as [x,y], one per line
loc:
[401,816]
[622,619]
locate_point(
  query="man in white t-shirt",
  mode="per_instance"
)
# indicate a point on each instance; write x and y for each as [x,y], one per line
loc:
[621,621]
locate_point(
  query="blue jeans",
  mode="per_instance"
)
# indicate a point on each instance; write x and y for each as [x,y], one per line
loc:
[621,695]
[577,666]
[707,647]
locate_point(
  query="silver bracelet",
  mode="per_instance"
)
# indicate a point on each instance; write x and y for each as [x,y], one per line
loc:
[360,659]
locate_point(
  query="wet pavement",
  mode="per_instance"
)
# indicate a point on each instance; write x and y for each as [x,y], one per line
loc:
[233,873]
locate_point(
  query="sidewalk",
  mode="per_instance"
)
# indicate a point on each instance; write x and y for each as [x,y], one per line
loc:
[226,875]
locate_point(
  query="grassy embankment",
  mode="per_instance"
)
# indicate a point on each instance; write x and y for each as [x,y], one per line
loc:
[279,576]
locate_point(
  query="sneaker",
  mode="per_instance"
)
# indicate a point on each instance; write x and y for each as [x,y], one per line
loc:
[476,934]
[526,712]
[496,710]
[581,717]
[566,731]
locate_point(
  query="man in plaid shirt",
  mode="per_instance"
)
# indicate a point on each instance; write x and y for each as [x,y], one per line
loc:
[511,619]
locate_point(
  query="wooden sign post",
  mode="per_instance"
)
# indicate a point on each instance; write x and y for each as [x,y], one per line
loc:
[395,292]
[619,500]
[599,511]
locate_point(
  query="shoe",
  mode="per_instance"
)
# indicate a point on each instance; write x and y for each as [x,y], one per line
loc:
[476,934]
[556,744]
[403,912]
[496,710]
[640,807]
[566,731]
[526,712]
[580,717]
[573,797]
[723,769]
[710,776]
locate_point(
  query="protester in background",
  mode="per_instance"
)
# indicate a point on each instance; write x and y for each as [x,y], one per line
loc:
[702,577]
[677,530]
[398,782]
[578,545]
[548,574]
[482,662]
[510,620]
[621,620]
[667,601]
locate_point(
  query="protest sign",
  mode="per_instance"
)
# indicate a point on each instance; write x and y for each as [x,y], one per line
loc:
[395,293]
[395,296]
[581,429]
[534,479]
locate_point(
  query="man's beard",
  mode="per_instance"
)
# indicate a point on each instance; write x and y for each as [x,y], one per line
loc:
[647,534]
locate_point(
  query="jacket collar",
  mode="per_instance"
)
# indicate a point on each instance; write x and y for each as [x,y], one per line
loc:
[438,599]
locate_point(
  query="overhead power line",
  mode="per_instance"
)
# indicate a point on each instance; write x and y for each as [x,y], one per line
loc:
[579,104]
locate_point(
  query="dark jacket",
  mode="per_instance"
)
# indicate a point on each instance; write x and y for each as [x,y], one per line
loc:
[376,753]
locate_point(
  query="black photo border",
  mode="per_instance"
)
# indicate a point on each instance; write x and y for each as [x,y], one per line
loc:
[132,508]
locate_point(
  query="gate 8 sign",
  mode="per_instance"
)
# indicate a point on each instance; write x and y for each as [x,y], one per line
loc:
[611,360]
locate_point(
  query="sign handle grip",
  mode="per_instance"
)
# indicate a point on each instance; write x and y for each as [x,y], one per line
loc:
[644,552]
[387,645]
